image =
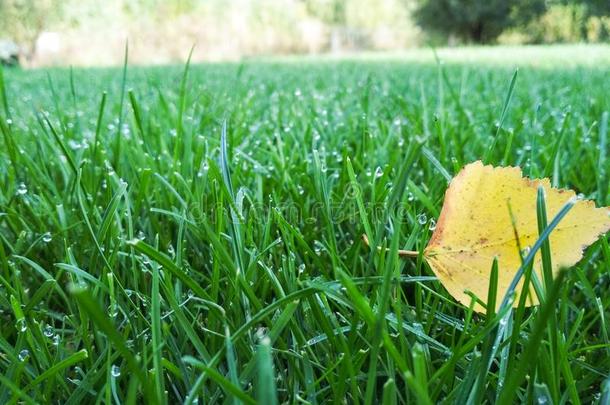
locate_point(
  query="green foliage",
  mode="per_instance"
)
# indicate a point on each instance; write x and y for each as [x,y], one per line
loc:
[562,23]
[478,21]
[522,21]
[565,22]
[594,7]
[196,264]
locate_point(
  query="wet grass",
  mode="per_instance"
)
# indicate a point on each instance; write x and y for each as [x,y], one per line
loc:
[150,254]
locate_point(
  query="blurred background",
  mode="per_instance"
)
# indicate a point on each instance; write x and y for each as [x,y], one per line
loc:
[93,33]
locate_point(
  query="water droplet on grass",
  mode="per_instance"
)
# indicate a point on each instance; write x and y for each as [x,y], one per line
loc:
[48,331]
[21,325]
[24,355]
[47,237]
[115,371]
[318,247]
[74,145]
[432,225]
[22,189]
[422,219]
[113,310]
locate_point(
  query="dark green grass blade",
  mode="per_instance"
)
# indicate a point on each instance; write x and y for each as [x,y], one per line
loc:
[547,273]
[266,392]
[603,176]
[97,315]
[530,354]
[118,142]
[509,96]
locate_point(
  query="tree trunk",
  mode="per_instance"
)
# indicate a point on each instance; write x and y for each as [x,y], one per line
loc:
[476,34]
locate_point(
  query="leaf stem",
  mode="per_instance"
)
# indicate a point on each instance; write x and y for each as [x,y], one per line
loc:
[401,252]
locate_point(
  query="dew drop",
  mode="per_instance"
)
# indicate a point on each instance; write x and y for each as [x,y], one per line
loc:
[113,310]
[318,247]
[21,325]
[432,224]
[24,355]
[74,145]
[115,371]
[48,331]
[22,189]
[47,237]
[422,219]
[378,172]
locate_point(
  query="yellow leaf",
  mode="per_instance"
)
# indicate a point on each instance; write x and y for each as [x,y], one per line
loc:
[475,226]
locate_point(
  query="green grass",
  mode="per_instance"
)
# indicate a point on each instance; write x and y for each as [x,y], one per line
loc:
[148,255]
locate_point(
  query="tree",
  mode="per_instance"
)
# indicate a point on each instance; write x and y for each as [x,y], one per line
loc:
[596,7]
[592,9]
[477,21]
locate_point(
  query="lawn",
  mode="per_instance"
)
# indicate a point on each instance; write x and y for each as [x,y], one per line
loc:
[172,235]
